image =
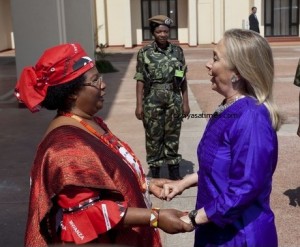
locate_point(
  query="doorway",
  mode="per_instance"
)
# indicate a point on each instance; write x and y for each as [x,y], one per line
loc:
[159,7]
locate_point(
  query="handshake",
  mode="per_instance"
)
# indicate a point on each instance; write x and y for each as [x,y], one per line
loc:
[169,220]
[172,221]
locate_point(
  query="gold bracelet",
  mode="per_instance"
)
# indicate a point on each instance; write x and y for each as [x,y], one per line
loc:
[154,217]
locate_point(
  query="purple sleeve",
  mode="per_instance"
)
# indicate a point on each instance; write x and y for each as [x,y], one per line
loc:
[253,145]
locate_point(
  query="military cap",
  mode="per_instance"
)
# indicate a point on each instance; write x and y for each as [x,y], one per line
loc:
[161,20]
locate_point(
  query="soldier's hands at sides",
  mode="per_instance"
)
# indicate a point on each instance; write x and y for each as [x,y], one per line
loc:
[139,112]
[186,110]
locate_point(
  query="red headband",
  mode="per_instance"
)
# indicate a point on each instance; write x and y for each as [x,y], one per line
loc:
[57,65]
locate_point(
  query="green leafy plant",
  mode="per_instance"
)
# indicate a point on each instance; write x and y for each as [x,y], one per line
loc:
[102,64]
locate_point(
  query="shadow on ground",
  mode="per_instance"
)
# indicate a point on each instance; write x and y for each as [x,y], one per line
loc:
[186,167]
[294,196]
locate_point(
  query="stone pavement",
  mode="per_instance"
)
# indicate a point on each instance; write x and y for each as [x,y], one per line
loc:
[21,132]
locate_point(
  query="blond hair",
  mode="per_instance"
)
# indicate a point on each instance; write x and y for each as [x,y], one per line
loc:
[250,54]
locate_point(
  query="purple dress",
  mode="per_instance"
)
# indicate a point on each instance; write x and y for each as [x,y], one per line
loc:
[237,157]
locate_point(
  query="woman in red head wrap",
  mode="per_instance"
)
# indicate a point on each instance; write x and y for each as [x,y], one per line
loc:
[87,185]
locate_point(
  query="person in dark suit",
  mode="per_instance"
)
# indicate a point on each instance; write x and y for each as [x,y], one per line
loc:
[253,21]
[297,83]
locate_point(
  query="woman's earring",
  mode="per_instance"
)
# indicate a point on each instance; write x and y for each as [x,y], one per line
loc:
[234,78]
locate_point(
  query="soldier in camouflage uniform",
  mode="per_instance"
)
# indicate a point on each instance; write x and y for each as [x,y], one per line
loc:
[297,83]
[162,97]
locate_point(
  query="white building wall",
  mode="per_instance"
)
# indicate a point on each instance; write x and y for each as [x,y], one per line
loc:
[217,16]
[192,23]
[235,11]
[118,22]
[218,28]
[182,14]
[115,22]
[202,23]
[101,22]
[205,21]
[136,22]
[127,24]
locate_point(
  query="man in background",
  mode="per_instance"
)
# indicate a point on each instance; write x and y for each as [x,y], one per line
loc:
[297,83]
[253,21]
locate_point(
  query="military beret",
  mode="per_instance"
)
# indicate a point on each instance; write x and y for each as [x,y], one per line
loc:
[161,19]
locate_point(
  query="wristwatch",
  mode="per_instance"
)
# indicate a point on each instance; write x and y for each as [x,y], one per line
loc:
[192,216]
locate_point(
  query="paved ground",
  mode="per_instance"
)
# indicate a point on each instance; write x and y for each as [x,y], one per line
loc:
[21,132]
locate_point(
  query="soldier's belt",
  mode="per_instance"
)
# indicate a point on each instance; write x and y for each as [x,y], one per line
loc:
[165,86]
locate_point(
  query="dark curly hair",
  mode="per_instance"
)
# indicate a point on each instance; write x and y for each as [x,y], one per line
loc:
[58,97]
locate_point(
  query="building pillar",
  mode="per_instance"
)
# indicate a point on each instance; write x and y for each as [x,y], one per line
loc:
[101,22]
[39,25]
[128,24]
[218,20]
[192,23]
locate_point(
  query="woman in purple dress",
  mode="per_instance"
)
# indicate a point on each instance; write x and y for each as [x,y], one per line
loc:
[238,151]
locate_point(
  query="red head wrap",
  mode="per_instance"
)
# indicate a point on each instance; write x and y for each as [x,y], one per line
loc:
[58,65]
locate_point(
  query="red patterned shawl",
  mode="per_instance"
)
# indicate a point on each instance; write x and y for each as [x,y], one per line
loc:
[70,156]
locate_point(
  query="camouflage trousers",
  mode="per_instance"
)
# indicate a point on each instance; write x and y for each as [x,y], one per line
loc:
[162,122]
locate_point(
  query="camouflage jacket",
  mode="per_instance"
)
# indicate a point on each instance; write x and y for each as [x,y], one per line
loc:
[158,66]
[297,75]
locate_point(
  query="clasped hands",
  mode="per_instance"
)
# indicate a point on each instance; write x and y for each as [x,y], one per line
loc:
[170,220]
[165,189]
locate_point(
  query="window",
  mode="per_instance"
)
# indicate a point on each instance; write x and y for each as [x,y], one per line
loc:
[159,7]
[281,18]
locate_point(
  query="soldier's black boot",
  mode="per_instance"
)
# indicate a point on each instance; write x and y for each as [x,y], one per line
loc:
[174,172]
[155,170]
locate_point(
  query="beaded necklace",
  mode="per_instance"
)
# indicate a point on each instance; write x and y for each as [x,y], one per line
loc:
[222,107]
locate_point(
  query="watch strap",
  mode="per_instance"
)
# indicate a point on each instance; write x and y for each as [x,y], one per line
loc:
[192,216]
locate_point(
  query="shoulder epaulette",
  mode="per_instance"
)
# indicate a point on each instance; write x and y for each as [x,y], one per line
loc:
[175,46]
[147,47]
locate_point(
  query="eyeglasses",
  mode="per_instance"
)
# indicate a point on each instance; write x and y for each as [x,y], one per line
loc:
[95,83]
